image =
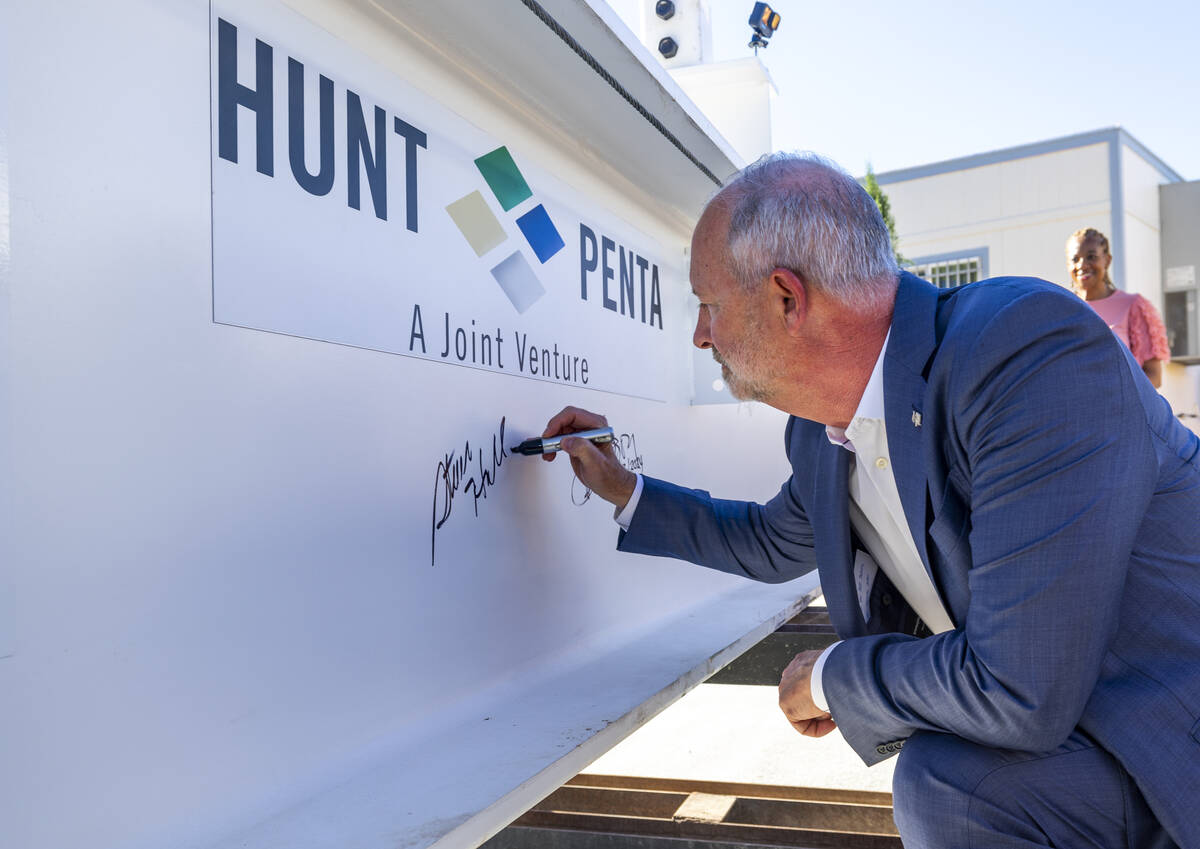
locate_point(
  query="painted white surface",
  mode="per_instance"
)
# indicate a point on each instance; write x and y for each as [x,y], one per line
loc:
[1038,247]
[736,96]
[1179,277]
[517,731]
[1181,386]
[1143,230]
[7,632]
[1002,192]
[363,277]
[225,629]
[1141,182]
[578,116]
[1022,210]
[618,21]
[690,26]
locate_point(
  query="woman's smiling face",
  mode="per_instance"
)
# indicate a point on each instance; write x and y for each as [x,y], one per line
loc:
[1088,261]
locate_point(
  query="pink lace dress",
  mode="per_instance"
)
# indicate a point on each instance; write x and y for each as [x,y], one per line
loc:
[1136,323]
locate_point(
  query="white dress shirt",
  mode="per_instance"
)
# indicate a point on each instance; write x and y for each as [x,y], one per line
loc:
[876,515]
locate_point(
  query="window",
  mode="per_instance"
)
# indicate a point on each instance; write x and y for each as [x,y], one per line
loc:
[947,274]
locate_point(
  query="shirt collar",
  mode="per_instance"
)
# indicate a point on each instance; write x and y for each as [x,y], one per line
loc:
[870,405]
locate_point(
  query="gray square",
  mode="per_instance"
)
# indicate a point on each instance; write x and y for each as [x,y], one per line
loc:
[518,281]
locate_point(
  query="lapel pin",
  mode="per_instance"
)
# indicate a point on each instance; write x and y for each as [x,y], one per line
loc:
[916,419]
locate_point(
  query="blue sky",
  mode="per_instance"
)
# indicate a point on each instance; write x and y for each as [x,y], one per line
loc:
[902,84]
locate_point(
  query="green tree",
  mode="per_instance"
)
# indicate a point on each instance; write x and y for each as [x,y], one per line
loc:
[885,209]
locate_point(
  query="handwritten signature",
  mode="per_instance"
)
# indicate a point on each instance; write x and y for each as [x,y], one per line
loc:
[451,480]
[626,451]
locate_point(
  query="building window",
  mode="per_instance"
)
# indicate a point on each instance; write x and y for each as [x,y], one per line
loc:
[946,274]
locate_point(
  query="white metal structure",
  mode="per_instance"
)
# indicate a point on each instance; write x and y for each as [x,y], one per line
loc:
[229,614]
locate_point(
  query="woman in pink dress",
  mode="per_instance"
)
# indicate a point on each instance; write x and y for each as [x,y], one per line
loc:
[1132,318]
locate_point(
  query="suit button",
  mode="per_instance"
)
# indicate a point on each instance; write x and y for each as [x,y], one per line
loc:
[882,750]
[885,599]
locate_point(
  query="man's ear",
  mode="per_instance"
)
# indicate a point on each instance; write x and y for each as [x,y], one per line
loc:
[789,295]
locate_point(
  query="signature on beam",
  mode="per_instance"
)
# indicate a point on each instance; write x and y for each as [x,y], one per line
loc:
[452,479]
[626,450]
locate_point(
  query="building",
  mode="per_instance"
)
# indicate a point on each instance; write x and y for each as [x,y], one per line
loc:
[1010,211]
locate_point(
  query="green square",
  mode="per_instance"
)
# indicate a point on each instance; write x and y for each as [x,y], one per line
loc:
[503,177]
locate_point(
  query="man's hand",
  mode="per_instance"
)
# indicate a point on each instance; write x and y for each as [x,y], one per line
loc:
[795,697]
[595,465]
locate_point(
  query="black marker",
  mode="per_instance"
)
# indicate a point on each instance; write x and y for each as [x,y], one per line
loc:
[551,444]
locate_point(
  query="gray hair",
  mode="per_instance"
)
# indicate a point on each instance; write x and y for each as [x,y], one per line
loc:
[802,212]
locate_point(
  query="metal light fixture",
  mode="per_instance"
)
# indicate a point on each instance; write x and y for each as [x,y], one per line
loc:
[763,22]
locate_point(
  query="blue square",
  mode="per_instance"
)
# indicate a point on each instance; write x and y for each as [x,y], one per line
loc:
[540,232]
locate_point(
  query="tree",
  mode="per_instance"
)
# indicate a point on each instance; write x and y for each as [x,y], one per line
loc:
[885,209]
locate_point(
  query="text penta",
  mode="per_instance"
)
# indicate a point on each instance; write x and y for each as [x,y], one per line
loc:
[603,258]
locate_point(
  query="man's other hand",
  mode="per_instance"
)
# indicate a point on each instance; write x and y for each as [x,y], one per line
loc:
[595,465]
[795,697]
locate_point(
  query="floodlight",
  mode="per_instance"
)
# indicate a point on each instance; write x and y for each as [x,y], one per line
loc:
[763,22]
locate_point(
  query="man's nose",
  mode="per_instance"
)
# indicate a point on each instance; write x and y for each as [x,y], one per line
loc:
[700,337]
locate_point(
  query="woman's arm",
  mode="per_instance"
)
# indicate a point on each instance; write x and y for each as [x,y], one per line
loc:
[1148,339]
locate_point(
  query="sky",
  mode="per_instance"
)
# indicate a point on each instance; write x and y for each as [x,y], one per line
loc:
[901,84]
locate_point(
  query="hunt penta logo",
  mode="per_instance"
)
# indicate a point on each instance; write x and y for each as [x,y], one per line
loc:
[484,233]
[366,140]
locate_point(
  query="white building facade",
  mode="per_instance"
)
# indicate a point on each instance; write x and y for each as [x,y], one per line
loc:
[1010,211]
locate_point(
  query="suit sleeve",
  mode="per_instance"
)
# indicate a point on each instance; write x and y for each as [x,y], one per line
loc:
[770,542]
[1052,445]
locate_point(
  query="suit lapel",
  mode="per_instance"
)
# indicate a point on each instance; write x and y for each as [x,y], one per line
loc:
[909,349]
[904,396]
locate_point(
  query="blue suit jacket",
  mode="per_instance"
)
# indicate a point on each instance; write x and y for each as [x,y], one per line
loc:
[1055,502]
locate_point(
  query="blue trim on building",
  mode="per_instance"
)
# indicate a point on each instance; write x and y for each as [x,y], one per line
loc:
[994,156]
[1169,173]
[981,252]
[1109,135]
[1114,137]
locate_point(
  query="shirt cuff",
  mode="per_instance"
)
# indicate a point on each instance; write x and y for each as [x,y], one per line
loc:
[626,515]
[816,689]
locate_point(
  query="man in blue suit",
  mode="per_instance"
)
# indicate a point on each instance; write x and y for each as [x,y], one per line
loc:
[1005,515]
